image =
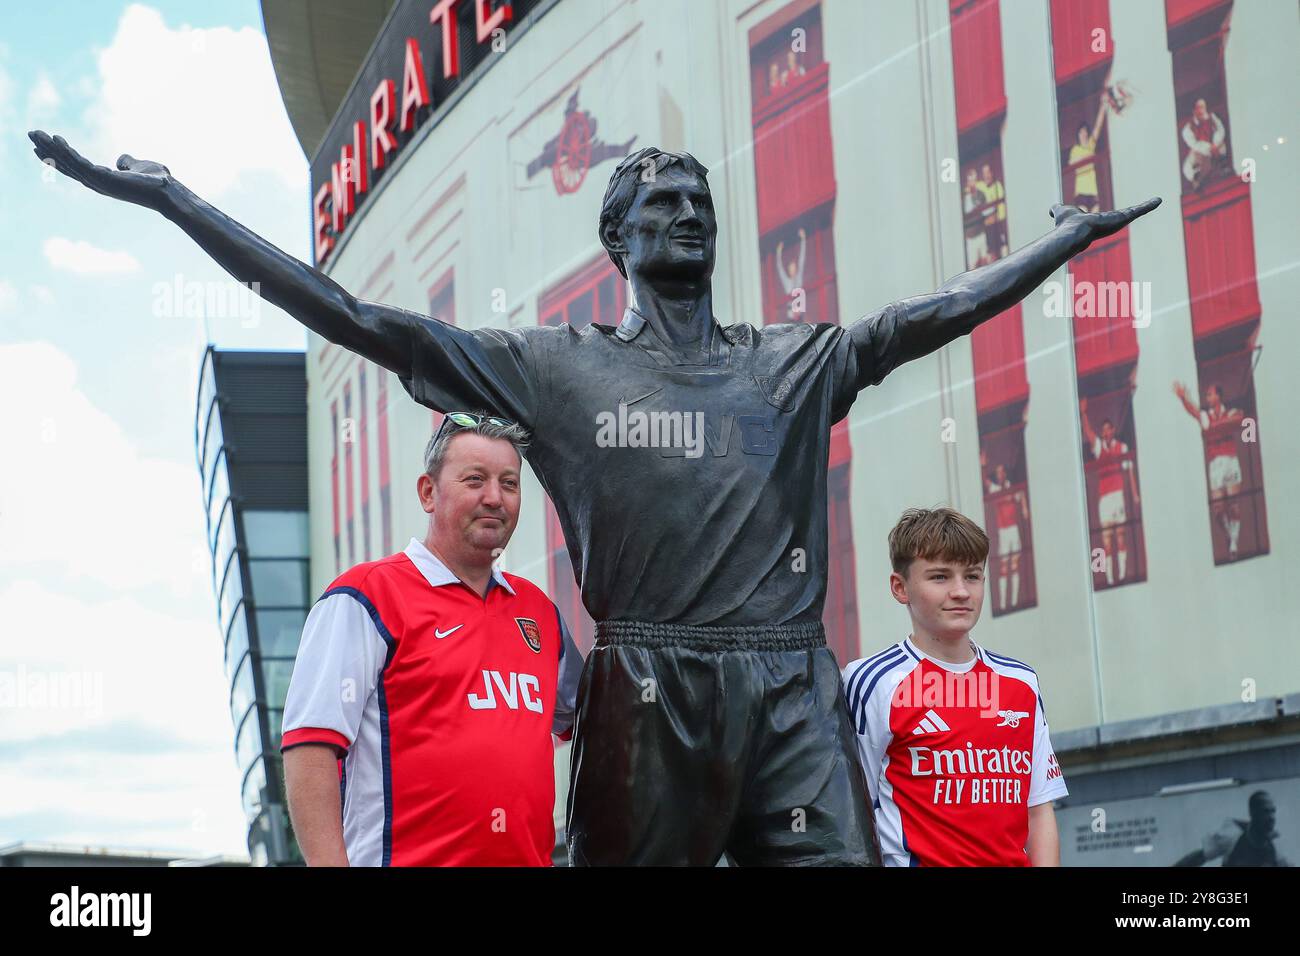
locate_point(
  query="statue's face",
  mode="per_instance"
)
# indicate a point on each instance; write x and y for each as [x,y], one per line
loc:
[671,229]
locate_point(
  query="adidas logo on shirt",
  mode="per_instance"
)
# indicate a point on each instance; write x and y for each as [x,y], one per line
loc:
[931,723]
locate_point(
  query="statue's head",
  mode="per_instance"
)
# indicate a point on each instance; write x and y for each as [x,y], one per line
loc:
[657,220]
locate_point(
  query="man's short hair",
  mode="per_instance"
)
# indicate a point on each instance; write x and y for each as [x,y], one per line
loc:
[940,534]
[435,453]
[625,179]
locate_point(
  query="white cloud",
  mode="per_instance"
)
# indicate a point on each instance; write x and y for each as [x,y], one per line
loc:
[79,497]
[79,256]
[121,733]
[42,99]
[203,102]
[8,296]
[42,294]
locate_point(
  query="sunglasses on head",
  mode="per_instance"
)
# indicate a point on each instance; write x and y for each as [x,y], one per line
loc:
[454,421]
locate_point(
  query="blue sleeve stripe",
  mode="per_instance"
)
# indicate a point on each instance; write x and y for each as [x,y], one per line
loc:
[866,698]
[1009,662]
[374,616]
[854,688]
[879,667]
[858,700]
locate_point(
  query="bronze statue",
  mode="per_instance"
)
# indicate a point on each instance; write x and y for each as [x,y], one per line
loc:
[687,462]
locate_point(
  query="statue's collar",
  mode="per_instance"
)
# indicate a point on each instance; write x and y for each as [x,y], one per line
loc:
[631,326]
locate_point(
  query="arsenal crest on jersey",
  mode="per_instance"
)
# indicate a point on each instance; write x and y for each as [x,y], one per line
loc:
[531,632]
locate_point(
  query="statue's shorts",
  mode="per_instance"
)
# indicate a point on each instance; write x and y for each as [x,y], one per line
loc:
[692,741]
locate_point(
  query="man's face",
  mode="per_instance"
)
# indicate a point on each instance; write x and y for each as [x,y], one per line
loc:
[1107,430]
[475,499]
[670,231]
[1212,396]
[1001,474]
[945,599]
[1263,814]
[988,174]
[1200,110]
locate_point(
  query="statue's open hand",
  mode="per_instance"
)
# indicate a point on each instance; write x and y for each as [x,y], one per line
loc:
[139,181]
[1097,225]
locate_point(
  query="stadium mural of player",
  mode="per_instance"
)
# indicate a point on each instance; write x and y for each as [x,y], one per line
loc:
[1114,515]
[575,149]
[673,545]
[1222,289]
[1243,842]
[1205,140]
[795,191]
[1218,826]
[1222,427]
[1012,511]
[1001,427]
[1106,343]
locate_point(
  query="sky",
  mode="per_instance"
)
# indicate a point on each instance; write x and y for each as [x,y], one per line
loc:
[114,724]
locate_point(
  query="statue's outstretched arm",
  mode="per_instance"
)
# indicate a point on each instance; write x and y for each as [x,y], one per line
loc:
[380,333]
[911,328]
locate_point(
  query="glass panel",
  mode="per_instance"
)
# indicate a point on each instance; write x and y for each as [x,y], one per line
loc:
[249,742]
[278,632]
[279,583]
[207,389]
[277,534]
[232,591]
[211,444]
[220,492]
[276,719]
[275,680]
[242,690]
[225,542]
[236,640]
[255,789]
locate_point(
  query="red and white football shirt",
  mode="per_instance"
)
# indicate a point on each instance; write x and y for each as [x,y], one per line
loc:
[441,703]
[1111,467]
[954,755]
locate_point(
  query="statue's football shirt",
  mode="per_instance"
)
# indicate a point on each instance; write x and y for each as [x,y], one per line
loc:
[690,482]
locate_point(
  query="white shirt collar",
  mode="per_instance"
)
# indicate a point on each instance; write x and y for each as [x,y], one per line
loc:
[437,573]
[947,665]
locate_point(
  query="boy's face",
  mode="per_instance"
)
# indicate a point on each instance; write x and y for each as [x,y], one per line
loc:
[944,598]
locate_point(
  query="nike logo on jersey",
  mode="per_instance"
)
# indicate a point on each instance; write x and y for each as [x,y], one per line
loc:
[931,723]
[1011,718]
[625,401]
[441,634]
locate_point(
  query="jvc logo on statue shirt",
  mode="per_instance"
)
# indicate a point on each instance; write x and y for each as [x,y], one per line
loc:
[685,434]
[521,686]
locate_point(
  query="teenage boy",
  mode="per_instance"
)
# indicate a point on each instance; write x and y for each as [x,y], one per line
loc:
[952,737]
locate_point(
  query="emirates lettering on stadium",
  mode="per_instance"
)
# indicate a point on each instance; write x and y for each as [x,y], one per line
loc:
[373,142]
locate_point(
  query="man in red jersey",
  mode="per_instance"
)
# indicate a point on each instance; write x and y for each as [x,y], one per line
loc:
[952,737]
[417,727]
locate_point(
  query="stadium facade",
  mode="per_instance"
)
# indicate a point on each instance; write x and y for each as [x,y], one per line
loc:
[1121,434]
